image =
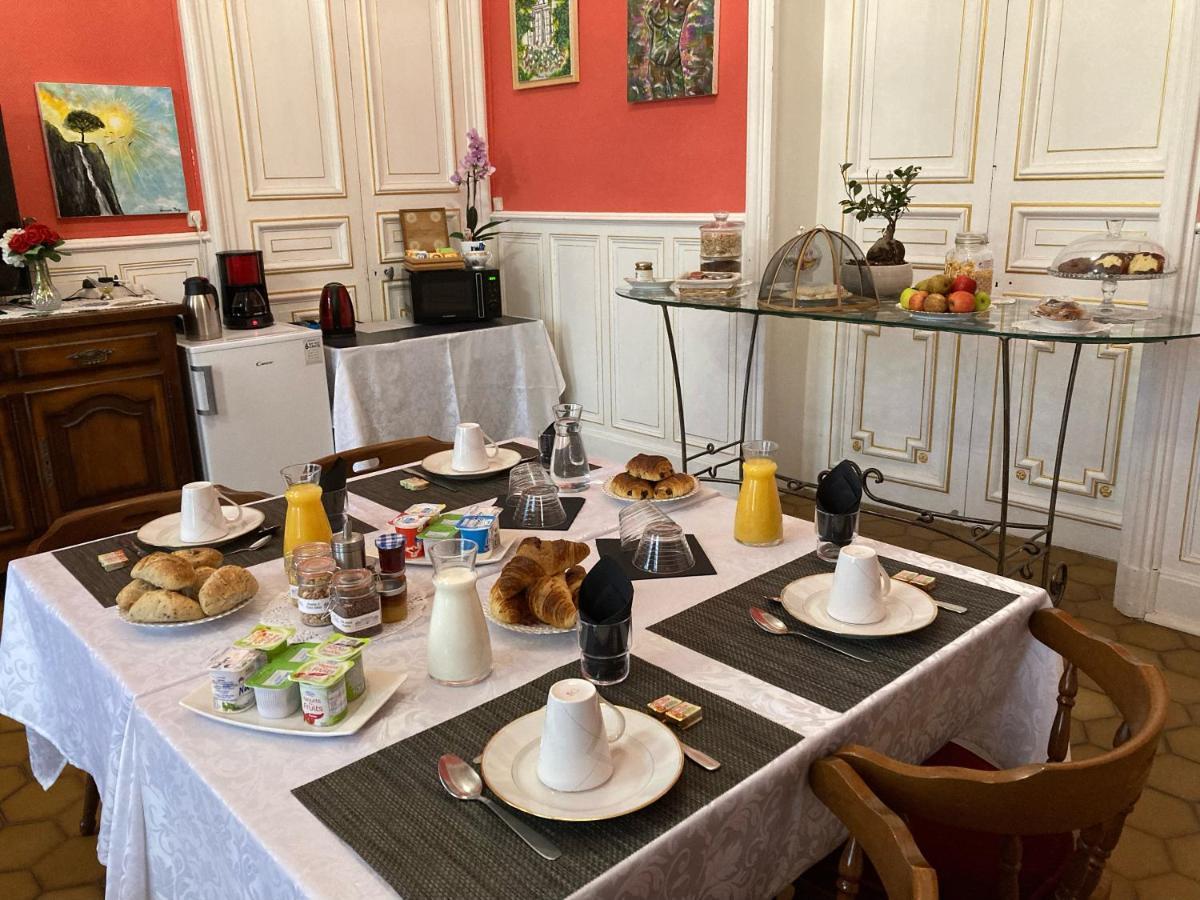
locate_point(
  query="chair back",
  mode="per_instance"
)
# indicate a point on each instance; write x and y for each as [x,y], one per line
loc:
[372,458]
[96,522]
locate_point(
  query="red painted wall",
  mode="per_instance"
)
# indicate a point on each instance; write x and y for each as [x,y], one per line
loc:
[584,148]
[90,42]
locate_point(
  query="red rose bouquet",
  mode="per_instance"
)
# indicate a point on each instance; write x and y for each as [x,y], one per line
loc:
[31,242]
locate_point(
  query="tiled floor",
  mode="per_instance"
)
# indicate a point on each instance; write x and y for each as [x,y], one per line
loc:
[1158,858]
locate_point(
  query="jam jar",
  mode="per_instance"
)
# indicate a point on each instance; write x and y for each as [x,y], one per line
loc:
[354,608]
[314,590]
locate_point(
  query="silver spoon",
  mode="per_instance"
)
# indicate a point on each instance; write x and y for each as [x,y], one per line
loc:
[464,783]
[940,604]
[257,545]
[774,625]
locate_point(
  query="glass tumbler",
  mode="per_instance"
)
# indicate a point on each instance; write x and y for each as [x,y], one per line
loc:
[604,650]
[834,531]
[568,461]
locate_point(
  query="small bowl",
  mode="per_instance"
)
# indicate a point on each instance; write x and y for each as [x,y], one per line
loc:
[477,259]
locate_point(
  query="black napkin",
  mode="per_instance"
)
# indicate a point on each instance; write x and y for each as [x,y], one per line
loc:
[606,604]
[839,490]
[333,478]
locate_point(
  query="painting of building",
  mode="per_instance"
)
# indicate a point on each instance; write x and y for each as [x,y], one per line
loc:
[545,42]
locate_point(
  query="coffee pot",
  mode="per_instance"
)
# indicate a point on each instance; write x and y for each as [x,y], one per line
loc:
[337,310]
[201,310]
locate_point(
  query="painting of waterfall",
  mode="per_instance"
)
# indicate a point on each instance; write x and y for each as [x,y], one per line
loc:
[113,149]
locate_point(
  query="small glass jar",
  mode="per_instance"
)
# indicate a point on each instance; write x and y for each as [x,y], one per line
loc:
[315,550]
[393,597]
[643,271]
[391,549]
[972,256]
[354,609]
[315,590]
[720,238]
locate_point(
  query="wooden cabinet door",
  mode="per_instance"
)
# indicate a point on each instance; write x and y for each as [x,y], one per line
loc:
[17,524]
[102,441]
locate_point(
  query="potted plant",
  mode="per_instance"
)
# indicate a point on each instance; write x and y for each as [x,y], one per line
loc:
[472,169]
[883,197]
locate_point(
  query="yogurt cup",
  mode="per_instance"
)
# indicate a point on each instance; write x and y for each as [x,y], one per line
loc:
[270,639]
[275,694]
[323,700]
[341,648]
[428,510]
[409,526]
[295,655]
[229,671]
[480,530]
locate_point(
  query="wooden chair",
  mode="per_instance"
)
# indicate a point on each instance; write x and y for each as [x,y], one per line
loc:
[363,460]
[96,522]
[902,815]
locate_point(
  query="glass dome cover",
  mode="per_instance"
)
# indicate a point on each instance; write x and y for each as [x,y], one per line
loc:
[818,270]
[1111,255]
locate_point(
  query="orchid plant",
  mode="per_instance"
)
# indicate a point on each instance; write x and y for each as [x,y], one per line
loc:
[472,169]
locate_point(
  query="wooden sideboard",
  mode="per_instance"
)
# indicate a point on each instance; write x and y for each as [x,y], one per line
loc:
[91,411]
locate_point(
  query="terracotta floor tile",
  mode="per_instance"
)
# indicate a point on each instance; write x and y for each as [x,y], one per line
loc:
[1140,855]
[1176,776]
[1183,688]
[23,845]
[31,802]
[71,863]
[1091,705]
[18,885]
[1186,662]
[1185,854]
[1150,636]
[1101,731]
[1163,815]
[1100,611]
[7,724]
[83,892]
[1186,742]
[1177,715]
[13,748]
[1171,886]
[11,778]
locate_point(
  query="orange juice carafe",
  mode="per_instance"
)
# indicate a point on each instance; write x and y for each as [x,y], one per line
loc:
[306,521]
[758,521]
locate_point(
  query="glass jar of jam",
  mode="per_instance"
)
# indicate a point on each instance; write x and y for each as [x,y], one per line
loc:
[314,550]
[354,608]
[393,597]
[391,549]
[314,589]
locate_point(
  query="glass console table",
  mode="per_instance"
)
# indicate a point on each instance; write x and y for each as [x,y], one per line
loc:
[1005,322]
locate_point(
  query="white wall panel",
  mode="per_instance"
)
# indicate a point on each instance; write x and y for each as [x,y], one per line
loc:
[578,286]
[636,343]
[522,276]
[303,244]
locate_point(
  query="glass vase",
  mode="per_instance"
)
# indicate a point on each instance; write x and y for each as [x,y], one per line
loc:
[44,296]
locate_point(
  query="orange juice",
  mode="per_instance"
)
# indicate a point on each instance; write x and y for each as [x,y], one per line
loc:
[759,518]
[306,520]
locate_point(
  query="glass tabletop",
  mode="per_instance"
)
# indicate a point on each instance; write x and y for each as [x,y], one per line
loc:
[1011,320]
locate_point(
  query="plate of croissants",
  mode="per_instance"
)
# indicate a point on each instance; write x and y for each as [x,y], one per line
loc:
[187,587]
[538,589]
[653,478]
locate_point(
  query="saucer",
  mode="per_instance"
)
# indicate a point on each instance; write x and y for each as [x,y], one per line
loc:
[439,464]
[906,608]
[647,761]
[164,531]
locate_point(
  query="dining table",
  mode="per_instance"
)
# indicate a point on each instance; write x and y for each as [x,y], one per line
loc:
[194,807]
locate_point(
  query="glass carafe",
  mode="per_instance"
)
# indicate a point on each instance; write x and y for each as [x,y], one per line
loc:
[758,521]
[460,649]
[306,521]
[569,461]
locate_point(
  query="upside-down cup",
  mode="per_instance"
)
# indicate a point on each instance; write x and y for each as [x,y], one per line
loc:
[539,507]
[663,550]
[633,520]
[525,476]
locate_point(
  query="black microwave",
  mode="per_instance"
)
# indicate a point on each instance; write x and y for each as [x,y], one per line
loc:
[455,295]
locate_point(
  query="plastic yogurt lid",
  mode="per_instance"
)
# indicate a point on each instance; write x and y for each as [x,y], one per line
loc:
[265,637]
[409,521]
[425,509]
[341,646]
[233,659]
[321,673]
[476,522]
[271,677]
[296,655]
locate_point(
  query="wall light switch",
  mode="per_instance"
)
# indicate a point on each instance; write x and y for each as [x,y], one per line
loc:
[194,218]
[498,204]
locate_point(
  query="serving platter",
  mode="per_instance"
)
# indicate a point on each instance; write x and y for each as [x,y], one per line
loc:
[1051,326]
[164,531]
[907,608]
[922,316]
[540,628]
[439,464]
[124,616]
[608,491]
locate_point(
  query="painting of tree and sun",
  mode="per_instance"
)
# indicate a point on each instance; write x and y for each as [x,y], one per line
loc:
[113,149]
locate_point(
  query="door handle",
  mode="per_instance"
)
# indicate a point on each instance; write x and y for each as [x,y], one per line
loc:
[94,356]
[210,391]
[390,273]
[47,465]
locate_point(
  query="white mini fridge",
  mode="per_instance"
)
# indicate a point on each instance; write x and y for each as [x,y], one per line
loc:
[260,402]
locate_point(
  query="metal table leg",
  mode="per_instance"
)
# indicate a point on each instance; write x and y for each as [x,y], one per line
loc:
[1058,455]
[683,453]
[746,391]
[1006,393]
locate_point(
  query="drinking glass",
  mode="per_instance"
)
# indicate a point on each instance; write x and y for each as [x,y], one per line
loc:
[568,461]
[604,650]
[633,520]
[334,503]
[663,550]
[539,506]
[301,473]
[834,531]
[523,477]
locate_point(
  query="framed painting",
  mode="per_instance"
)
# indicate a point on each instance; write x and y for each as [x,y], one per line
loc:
[545,42]
[672,49]
[113,149]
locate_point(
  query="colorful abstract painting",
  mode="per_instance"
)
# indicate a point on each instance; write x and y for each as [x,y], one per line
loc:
[545,42]
[113,149]
[672,49]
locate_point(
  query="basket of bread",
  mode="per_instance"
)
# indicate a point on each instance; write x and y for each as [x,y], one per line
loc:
[184,588]
[538,589]
[648,477]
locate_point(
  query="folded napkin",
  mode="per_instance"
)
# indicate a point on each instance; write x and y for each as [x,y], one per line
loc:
[333,478]
[839,491]
[606,604]
[546,446]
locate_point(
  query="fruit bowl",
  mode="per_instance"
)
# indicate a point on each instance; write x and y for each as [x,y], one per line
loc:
[939,296]
[922,316]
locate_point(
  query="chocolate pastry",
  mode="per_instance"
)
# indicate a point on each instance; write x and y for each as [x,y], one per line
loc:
[1060,310]
[1146,264]
[1080,265]
[1112,263]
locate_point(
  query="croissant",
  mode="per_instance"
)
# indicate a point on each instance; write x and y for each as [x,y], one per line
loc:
[507,599]
[551,601]
[554,557]
[574,577]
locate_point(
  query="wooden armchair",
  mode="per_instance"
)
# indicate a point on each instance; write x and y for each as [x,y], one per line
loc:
[363,460]
[995,820]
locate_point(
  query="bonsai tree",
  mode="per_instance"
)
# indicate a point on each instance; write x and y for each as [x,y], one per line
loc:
[885,198]
[82,121]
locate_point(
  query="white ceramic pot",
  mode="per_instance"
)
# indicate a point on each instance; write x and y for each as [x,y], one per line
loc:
[891,280]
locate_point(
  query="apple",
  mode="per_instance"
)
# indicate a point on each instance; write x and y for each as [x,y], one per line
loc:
[962,302]
[963,283]
[982,301]
[916,300]
[904,295]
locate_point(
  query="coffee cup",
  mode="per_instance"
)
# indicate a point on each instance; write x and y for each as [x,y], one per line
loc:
[580,726]
[859,586]
[201,518]
[472,448]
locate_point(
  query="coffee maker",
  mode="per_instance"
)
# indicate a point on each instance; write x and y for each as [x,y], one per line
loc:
[244,301]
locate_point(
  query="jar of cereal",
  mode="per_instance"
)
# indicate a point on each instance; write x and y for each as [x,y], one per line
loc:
[972,257]
[720,238]
[315,590]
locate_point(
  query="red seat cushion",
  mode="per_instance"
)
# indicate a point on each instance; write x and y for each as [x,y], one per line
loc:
[968,862]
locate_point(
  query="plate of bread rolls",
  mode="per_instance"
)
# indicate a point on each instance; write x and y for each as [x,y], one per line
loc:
[187,587]
[538,589]
[653,478]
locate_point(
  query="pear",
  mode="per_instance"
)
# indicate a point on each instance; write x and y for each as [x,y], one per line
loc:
[936,303]
[936,284]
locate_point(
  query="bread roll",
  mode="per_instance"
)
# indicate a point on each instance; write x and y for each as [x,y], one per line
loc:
[164,571]
[165,606]
[551,601]
[649,468]
[202,575]
[201,556]
[625,485]
[678,485]
[226,588]
[130,594]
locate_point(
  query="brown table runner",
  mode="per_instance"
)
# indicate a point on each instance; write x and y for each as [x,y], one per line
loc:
[391,809]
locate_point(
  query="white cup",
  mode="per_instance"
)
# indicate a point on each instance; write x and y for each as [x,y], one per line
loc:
[859,586]
[200,515]
[580,725]
[472,448]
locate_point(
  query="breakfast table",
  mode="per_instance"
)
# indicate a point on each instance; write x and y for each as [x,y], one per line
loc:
[194,807]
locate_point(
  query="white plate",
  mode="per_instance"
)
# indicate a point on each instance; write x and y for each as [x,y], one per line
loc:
[496,554]
[164,531]
[540,628]
[607,488]
[381,684]
[439,464]
[660,285]
[907,608]
[229,612]
[647,761]
[1050,326]
[922,316]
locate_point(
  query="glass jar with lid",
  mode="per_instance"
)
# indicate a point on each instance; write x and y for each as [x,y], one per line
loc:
[972,256]
[720,238]
[314,590]
[313,550]
[354,607]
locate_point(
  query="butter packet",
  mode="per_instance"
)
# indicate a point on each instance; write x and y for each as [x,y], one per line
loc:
[916,579]
[659,708]
[414,484]
[425,509]
[113,560]
[685,715]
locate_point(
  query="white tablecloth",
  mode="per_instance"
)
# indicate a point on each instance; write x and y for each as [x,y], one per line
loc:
[505,378]
[197,809]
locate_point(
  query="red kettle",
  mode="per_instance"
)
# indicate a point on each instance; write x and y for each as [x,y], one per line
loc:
[337,310]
